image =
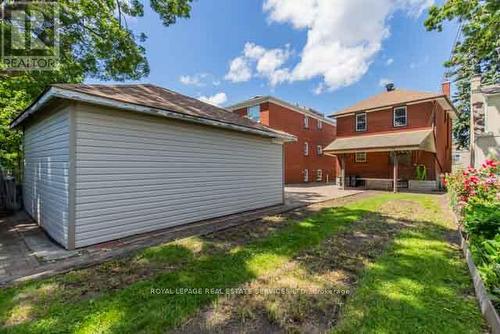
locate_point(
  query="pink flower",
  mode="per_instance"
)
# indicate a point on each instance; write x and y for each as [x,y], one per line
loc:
[491,180]
[474,179]
[490,163]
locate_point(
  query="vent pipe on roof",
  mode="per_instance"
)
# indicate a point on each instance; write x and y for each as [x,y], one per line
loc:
[390,87]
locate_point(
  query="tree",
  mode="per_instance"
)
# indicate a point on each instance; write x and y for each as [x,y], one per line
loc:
[476,51]
[95,41]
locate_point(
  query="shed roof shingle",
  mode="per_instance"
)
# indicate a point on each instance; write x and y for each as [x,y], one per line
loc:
[385,99]
[161,98]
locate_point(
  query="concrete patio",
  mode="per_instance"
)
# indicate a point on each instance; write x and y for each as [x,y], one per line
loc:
[27,252]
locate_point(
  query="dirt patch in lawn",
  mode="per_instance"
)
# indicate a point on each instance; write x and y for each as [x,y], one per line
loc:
[261,228]
[307,293]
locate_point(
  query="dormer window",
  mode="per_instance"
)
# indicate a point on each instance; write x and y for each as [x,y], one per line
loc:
[306,122]
[361,122]
[254,113]
[400,117]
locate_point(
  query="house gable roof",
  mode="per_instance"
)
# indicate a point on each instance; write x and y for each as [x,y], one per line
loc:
[150,99]
[393,98]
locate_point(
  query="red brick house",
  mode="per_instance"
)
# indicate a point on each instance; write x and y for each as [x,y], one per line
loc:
[396,135]
[304,159]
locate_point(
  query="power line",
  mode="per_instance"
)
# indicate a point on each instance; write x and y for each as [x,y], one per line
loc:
[457,37]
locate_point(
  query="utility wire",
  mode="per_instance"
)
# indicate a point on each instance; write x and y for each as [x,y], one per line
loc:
[457,37]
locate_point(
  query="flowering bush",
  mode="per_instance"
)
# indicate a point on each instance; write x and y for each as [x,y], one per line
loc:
[475,184]
[475,194]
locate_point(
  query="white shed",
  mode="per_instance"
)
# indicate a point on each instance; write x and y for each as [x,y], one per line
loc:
[102,162]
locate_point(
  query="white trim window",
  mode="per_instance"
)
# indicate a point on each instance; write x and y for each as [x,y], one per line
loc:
[306,175]
[360,157]
[319,175]
[400,117]
[319,124]
[361,122]
[306,148]
[319,150]
[306,122]
[254,113]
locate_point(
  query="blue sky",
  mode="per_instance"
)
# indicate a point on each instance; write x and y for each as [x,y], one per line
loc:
[326,59]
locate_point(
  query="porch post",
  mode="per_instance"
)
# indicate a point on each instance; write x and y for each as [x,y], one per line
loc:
[395,172]
[342,170]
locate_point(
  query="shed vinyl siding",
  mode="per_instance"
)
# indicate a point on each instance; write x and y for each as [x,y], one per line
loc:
[46,166]
[137,173]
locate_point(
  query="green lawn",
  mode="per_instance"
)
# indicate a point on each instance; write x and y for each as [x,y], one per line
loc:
[419,284]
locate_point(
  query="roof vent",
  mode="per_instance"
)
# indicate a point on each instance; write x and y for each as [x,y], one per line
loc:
[390,87]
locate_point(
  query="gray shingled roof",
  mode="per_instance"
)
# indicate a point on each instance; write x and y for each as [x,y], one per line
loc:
[387,99]
[162,98]
[147,95]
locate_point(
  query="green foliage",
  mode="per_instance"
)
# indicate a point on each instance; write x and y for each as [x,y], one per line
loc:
[421,172]
[482,219]
[486,254]
[476,194]
[95,42]
[476,52]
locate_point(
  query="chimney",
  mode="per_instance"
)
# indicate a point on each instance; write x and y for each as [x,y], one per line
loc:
[475,82]
[390,87]
[446,88]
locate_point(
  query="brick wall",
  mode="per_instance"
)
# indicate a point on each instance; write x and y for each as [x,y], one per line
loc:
[419,116]
[378,165]
[442,132]
[290,121]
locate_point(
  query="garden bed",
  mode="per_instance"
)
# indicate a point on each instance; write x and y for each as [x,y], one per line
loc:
[485,304]
[475,200]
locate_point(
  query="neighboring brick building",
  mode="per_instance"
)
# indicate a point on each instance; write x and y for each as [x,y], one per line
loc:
[304,159]
[412,129]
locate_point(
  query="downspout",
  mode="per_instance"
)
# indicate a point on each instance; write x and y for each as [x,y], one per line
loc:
[434,131]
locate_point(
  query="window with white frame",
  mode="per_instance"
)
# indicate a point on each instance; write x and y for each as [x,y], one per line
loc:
[306,148]
[306,175]
[319,150]
[319,124]
[400,116]
[361,122]
[306,122]
[254,113]
[319,175]
[360,156]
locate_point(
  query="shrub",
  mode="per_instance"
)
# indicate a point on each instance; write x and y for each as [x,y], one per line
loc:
[475,195]
[482,219]
[486,254]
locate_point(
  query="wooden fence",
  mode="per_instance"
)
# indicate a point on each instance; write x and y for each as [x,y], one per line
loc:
[8,193]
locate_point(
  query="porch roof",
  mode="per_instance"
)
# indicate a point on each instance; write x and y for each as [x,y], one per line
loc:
[395,141]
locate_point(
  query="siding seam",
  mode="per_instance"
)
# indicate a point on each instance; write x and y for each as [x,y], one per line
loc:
[71,177]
